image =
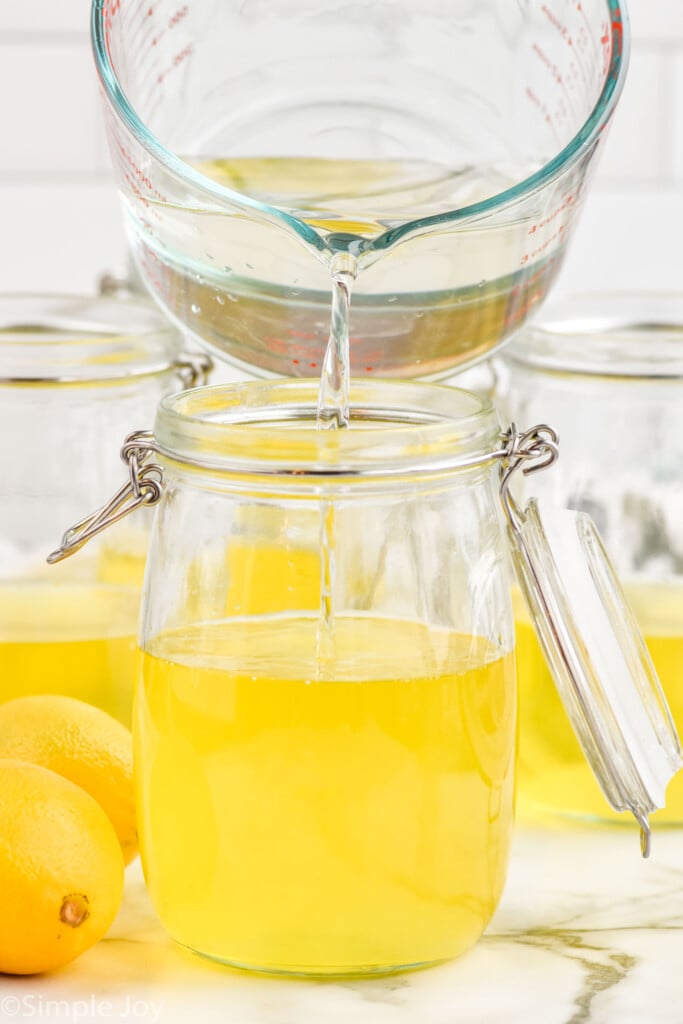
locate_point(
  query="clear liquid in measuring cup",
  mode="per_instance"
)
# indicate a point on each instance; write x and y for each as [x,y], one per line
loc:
[260,293]
[360,199]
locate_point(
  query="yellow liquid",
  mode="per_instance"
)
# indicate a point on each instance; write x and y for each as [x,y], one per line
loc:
[268,577]
[325,819]
[553,775]
[76,639]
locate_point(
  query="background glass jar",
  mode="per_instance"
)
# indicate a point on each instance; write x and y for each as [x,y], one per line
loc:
[74,372]
[325,723]
[608,370]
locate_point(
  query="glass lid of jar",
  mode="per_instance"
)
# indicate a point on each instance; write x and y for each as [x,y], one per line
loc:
[595,652]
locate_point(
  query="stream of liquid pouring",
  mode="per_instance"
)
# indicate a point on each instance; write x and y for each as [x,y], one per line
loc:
[333,414]
[333,396]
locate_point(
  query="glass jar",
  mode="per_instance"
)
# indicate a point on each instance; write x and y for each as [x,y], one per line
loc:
[73,372]
[341,770]
[608,369]
[325,718]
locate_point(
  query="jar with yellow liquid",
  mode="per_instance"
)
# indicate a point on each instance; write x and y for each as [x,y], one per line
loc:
[73,372]
[608,369]
[326,711]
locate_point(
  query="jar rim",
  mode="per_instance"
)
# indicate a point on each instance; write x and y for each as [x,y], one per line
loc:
[611,334]
[68,338]
[269,427]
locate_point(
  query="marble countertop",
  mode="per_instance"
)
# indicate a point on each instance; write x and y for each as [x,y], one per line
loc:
[587,933]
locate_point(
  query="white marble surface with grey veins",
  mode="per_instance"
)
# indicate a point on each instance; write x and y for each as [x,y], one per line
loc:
[586,933]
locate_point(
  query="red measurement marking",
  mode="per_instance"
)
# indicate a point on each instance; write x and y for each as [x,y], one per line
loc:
[555,20]
[139,174]
[313,366]
[179,59]
[369,369]
[295,361]
[151,271]
[521,312]
[531,297]
[543,246]
[176,18]
[585,17]
[136,177]
[140,196]
[556,116]
[108,13]
[612,40]
[567,201]
[537,102]
[606,44]
[617,33]
[545,59]
[150,12]
[183,55]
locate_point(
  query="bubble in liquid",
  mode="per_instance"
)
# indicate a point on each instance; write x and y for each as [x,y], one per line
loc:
[195,308]
[220,300]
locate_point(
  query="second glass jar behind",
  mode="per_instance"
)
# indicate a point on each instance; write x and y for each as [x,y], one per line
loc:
[607,371]
[74,372]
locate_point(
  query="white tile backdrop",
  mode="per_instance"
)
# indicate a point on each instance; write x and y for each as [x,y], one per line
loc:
[59,212]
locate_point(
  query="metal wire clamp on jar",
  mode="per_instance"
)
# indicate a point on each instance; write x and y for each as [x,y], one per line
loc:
[618,358]
[73,371]
[326,711]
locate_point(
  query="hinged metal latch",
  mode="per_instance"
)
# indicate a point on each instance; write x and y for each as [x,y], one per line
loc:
[530,450]
[143,487]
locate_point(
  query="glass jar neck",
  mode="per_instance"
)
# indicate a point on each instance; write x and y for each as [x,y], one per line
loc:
[48,339]
[612,335]
[269,429]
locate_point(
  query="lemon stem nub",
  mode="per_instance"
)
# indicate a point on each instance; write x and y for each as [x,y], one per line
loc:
[74,910]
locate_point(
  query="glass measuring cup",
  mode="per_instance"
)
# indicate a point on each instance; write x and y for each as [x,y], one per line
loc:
[437,152]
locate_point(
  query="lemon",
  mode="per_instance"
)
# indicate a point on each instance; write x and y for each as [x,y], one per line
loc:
[61,869]
[82,743]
